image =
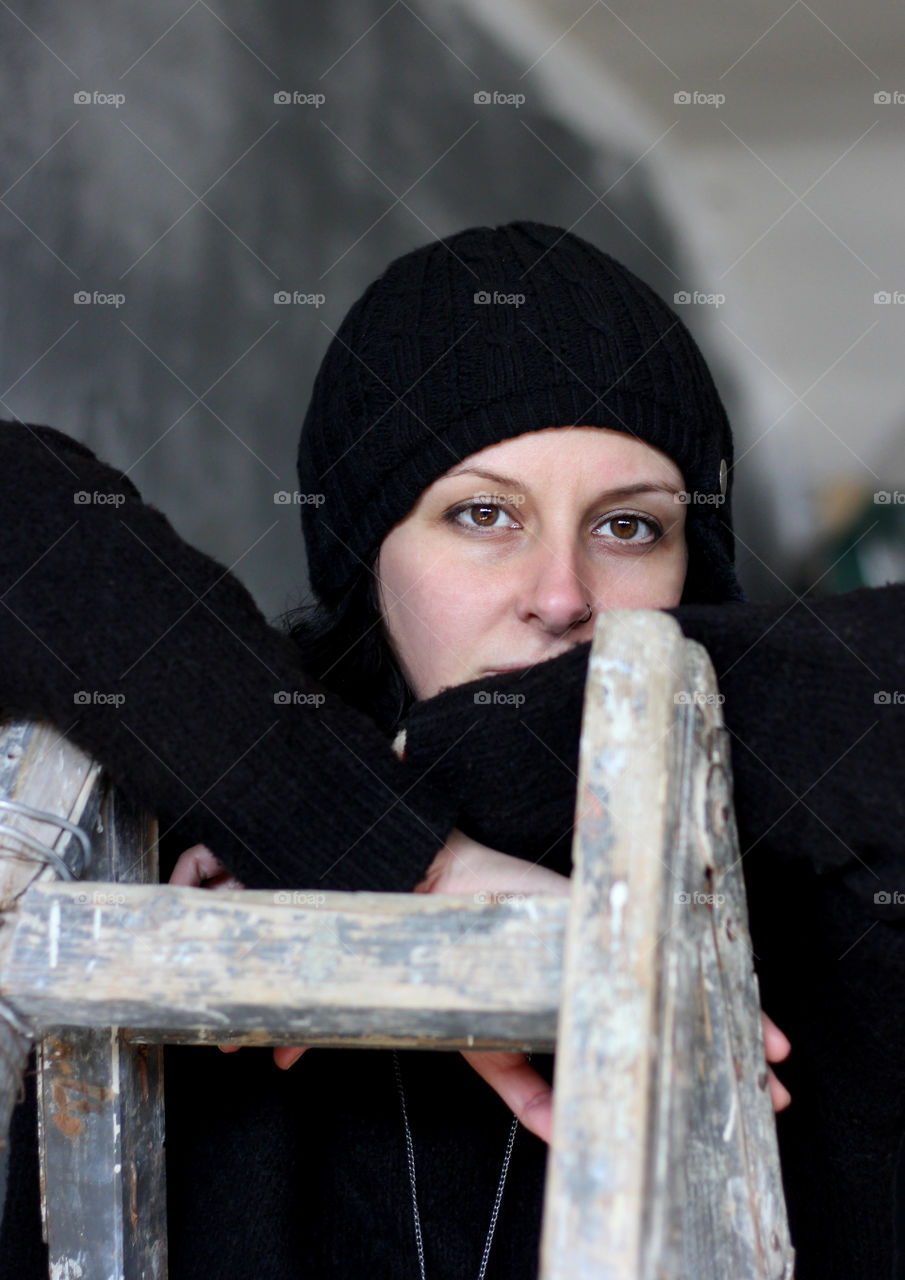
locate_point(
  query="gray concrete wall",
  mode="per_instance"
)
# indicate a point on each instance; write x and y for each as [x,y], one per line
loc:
[198,197]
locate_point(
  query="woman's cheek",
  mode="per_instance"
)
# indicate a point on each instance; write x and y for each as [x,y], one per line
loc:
[454,622]
[650,582]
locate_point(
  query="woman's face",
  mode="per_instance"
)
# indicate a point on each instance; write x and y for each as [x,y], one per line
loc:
[497,562]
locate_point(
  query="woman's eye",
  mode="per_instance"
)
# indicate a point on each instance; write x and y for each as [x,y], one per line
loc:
[630,527]
[625,526]
[482,515]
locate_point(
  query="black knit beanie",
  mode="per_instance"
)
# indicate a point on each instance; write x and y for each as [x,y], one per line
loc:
[489,333]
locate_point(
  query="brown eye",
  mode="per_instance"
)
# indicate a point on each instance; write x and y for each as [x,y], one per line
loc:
[480,515]
[631,528]
[624,526]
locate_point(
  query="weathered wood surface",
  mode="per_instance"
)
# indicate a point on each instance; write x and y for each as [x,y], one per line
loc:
[101,1109]
[664,1163]
[42,770]
[254,966]
[738,1221]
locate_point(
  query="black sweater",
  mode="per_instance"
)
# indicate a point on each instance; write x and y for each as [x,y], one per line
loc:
[303,1173]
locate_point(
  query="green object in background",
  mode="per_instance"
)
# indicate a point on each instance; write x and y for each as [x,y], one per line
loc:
[869,551]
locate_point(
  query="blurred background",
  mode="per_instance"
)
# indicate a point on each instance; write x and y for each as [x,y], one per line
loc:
[171,172]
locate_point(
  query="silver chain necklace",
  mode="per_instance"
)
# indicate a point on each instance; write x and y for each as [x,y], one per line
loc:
[410,1153]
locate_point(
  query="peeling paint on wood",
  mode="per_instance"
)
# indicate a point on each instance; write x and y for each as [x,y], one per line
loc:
[389,968]
[664,1162]
[42,770]
[112,1173]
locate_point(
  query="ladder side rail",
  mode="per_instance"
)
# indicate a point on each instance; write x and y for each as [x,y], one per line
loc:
[101,1124]
[732,1169]
[664,1161]
[50,795]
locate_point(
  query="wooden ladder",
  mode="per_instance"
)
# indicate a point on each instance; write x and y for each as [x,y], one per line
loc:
[664,1162]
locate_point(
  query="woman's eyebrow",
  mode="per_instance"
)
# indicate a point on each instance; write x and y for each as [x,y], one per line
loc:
[621,491]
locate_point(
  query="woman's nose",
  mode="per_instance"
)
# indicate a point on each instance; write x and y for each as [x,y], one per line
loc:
[555,591]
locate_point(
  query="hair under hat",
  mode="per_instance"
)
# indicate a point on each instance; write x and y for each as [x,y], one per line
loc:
[482,336]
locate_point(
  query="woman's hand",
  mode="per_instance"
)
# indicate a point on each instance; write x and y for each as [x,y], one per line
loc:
[465,866]
[777,1048]
[198,867]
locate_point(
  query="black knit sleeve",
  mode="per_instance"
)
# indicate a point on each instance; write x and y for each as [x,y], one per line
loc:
[155,659]
[815,705]
[508,748]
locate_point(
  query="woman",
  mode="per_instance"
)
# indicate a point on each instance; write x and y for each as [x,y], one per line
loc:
[465,575]
[588,369]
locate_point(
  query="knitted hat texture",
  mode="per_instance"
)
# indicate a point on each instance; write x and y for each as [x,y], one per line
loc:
[480,337]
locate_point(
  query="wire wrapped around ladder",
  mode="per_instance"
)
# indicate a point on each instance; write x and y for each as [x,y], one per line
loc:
[42,852]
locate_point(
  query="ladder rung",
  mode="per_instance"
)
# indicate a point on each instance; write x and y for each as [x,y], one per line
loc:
[261,967]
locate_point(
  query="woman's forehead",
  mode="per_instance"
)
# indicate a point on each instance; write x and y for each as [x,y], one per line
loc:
[572,447]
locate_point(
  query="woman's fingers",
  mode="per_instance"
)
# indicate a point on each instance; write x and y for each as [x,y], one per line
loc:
[194,865]
[777,1047]
[223,880]
[198,867]
[525,1092]
[195,868]
[465,866]
[779,1094]
[530,1097]
[286,1054]
[776,1044]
